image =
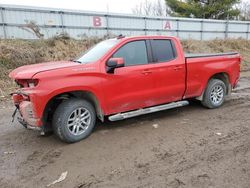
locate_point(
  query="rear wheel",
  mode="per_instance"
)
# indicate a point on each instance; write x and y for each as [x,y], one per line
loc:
[74,120]
[214,95]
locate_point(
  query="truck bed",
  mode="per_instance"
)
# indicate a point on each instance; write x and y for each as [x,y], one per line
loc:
[200,67]
[190,55]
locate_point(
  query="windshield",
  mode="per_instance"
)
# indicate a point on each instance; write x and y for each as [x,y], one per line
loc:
[96,52]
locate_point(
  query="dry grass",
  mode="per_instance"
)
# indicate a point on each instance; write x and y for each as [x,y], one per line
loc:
[15,53]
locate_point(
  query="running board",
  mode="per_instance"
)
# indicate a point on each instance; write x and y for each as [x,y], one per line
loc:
[143,111]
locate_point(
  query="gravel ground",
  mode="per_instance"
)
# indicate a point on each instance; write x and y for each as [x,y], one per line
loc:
[185,147]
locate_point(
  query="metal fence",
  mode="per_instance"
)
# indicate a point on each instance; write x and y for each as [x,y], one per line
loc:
[19,21]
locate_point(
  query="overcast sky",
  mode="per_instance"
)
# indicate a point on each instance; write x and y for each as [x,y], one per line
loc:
[118,6]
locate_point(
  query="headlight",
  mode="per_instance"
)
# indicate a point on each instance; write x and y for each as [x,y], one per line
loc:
[32,83]
[27,82]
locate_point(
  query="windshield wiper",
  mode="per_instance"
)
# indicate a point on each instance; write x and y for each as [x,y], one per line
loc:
[77,61]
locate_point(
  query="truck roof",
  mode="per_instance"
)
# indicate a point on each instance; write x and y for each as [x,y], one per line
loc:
[144,37]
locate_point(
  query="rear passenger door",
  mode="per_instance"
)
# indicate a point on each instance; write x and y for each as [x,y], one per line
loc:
[168,71]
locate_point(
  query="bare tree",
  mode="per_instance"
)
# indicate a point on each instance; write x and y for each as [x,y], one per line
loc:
[244,8]
[159,8]
[151,8]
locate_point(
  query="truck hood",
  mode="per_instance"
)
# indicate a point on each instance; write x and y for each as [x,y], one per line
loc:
[28,71]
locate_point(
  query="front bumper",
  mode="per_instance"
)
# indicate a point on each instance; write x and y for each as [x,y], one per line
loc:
[27,112]
[27,116]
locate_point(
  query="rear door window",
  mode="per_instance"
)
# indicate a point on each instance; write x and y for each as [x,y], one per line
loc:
[163,50]
[133,53]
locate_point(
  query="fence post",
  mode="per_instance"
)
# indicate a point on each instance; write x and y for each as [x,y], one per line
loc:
[202,28]
[248,27]
[177,25]
[226,29]
[62,22]
[145,25]
[3,22]
[107,24]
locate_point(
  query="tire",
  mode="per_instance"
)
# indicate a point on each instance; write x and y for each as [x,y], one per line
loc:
[74,120]
[214,95]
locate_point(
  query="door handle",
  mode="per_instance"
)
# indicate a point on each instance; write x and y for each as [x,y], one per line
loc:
[176,68]
[145,72]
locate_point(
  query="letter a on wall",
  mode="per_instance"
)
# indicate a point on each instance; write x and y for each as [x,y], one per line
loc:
[167,25]
[97,21]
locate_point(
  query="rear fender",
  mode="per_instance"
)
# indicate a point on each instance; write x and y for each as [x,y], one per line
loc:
[221,76]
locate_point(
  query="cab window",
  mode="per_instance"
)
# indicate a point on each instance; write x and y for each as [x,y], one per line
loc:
[163,50]
[133,53]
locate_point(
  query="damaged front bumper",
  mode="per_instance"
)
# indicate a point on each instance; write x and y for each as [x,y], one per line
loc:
[26,114]
[26,111]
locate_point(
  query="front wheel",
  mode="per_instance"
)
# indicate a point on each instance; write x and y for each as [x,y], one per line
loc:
[74,120]
[214,95]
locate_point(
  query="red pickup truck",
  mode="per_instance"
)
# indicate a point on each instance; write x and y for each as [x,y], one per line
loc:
[119,78]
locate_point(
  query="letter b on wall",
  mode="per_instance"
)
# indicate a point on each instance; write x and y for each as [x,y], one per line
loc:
[97,21]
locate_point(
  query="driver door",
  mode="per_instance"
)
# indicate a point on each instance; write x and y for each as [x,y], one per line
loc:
[130,87]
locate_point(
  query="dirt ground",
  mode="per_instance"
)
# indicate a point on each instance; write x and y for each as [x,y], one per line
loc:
[191,147]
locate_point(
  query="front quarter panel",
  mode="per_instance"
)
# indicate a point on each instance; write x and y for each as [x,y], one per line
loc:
[55,82]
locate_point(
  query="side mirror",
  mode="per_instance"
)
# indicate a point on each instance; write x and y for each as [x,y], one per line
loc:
[114,63]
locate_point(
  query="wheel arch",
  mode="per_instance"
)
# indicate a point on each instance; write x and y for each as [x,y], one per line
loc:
[57,99]
[223,76]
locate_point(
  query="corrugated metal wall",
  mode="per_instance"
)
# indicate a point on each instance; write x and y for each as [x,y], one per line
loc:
[78,24]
